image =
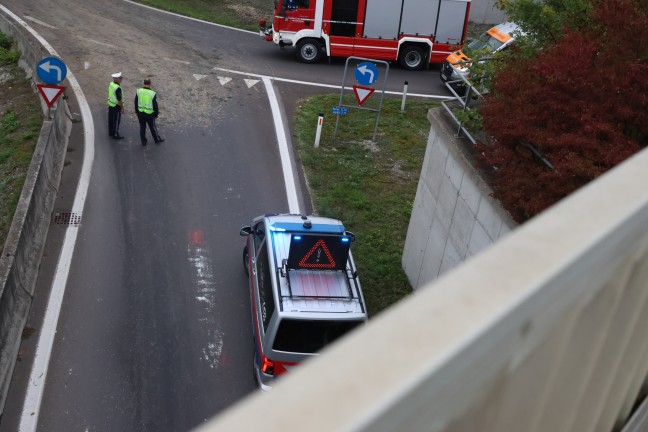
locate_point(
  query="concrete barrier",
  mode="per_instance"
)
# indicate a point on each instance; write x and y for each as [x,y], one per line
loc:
[453,217]
[25,242]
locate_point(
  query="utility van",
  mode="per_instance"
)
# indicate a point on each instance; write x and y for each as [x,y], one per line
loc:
[495,39]
[304,289]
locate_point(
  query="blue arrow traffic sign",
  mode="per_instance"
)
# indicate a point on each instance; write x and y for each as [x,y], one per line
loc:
[51,70]
[366,73]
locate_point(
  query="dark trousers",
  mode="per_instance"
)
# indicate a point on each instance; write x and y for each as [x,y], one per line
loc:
[114,118]
[147,119]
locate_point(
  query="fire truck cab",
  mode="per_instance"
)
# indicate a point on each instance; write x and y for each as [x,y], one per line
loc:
[413,32]
[304,289]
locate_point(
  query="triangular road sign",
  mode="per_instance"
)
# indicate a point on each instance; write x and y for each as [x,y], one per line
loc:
[319,257]
[50,93]
[362,93]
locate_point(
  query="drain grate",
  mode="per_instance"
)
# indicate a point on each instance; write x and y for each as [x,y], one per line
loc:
[67,218]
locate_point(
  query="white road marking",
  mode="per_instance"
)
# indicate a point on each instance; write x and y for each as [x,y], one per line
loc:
[86,65]
[223,80]
[421,95]
[199,258]
[100,43]
[190,18]
[176,60]
[36,385]
[250,82]
[198,77]
[286,163]
[32,19]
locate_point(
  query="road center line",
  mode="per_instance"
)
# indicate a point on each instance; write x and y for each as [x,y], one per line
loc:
[36,385]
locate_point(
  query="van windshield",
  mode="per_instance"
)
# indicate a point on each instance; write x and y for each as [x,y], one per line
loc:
[485,41]
[309,336]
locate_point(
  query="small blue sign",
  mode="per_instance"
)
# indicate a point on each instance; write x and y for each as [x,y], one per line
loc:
[51,70]
[340,110]
[366,73]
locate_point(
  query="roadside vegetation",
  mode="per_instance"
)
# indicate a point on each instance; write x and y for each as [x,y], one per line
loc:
[243,14]
[574,89]
[369,185]
[20,123]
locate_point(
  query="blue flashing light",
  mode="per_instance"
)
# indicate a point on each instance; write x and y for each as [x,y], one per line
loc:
[298,237]
[345,239]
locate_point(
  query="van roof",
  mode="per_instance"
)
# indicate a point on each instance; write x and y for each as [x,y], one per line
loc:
[318,292]
[507,27]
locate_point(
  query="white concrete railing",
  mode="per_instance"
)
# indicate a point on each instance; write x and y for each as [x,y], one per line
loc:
[543,331]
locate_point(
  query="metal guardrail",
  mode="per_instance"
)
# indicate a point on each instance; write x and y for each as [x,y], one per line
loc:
[471,94]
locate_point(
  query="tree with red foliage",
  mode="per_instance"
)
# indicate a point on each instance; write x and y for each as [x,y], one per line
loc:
[582,103]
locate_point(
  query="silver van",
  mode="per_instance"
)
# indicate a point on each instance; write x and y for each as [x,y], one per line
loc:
[304,289]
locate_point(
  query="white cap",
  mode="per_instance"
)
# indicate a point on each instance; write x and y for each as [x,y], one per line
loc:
[116,75]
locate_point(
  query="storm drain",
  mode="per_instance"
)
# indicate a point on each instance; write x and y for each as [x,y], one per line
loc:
[67,218]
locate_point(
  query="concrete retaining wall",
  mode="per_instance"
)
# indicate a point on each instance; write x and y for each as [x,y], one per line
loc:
[23,248]
[453,216]
[485,12]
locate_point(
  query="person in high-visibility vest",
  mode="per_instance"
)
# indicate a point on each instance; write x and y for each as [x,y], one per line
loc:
[146,107]
[115,105]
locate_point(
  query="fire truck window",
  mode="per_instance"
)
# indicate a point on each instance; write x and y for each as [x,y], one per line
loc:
[266,298]
[343,17]
[294,4]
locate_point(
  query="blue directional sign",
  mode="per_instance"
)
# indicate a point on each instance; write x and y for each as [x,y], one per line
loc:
[340,110]
[366,73]
[51,70]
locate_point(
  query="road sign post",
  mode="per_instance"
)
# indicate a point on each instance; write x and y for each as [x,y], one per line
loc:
[366,74]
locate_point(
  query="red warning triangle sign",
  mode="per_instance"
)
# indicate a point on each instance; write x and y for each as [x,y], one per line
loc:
[50,93]
[362,93]
[319,257]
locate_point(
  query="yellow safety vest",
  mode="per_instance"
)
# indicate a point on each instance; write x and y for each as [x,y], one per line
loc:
[145,100]
[112,94]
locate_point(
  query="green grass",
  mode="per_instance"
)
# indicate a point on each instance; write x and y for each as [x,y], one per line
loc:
[20,123]
[243,14]
[369,186]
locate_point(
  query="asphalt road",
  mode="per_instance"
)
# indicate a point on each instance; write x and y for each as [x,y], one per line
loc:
[154,333]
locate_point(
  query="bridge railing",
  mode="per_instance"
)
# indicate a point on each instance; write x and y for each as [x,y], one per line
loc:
[544,331]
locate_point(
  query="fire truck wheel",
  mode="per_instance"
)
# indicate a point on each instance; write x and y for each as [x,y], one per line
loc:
[411,58]
[246,260]
[309,50]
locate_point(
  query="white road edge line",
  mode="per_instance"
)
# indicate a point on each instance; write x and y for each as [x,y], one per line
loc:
[36,385]
[286,164]
[190,18]
[324,85]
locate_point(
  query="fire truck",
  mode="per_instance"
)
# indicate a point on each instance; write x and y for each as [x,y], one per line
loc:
[413,32]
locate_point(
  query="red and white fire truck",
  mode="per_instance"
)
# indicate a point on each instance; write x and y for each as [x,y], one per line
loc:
[414,32]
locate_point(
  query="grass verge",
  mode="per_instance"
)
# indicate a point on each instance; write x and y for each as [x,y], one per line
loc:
[20,124]
[243,14]
[369,185]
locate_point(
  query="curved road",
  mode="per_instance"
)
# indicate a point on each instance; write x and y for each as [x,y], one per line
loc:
[154,332]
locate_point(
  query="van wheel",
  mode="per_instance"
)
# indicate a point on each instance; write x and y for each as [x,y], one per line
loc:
[246,260]
[309,50]
[411,58]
